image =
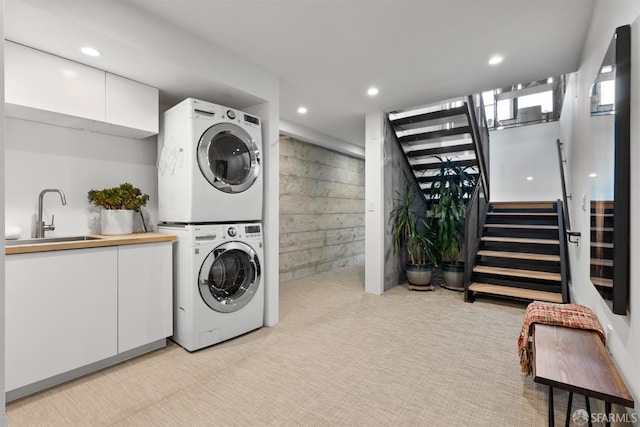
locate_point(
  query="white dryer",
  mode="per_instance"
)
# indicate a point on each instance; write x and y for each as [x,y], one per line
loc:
[218,289]
[209,167]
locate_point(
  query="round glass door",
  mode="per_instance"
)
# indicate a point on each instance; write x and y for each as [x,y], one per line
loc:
[228,158]
[229,277]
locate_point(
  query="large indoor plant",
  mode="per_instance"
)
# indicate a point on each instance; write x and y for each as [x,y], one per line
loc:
[119,204]
[452,186]
[411,231]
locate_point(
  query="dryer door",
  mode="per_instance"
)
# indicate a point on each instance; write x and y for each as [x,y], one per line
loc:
[228,157]
[229,277]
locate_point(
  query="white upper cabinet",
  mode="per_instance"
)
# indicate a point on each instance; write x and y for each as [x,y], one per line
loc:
[131,104]
[49,89]
[51,83]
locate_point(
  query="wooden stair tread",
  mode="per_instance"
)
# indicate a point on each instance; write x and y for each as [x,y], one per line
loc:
[601,281]
[520,255]
[605,229]
[520,240]
[602,262]
[529,274]
[607,215]
[553,214]
[509,291]
[602,245]
[523,205]
[524,226]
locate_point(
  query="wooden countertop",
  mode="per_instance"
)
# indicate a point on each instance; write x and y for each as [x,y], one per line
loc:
[101,241]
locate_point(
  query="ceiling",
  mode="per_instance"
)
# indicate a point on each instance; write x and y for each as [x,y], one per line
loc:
[326,53]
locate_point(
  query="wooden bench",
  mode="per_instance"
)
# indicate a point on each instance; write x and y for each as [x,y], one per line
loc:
[576,360]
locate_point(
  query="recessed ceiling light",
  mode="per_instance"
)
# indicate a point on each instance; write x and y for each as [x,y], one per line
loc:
[529,178]
[550,80]
[519,86]
[90,51]
[593,175]
[302,110]
[372,91]
[495,60]
[606,69]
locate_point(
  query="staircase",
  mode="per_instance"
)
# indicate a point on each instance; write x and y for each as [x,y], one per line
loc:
[449,129]
[521,253]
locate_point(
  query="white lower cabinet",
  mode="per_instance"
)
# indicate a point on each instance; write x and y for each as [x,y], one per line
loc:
[66,310]
[144,294]
[61,312]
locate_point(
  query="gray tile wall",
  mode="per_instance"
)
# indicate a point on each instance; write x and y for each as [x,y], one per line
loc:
[321,209]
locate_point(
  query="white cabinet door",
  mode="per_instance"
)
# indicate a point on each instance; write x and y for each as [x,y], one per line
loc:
[145,294]
[60,310]
[47,82]
[131,104]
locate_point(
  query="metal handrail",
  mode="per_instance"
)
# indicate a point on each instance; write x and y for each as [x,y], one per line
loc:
[565,205]
[475,213]
[564,258]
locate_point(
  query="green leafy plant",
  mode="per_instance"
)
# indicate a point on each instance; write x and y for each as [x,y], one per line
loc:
[412,229]
[126,196]
[453,185]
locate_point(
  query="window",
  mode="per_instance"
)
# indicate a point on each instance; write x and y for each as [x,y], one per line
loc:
[505,109]
[544,99]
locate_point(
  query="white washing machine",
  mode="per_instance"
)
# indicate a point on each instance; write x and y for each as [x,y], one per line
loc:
[209,167]
[218,282]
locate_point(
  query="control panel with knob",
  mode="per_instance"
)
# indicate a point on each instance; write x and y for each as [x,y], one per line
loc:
[231,114]
[232,232]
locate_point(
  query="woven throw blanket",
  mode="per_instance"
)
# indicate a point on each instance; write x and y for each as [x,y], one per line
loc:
[567,315]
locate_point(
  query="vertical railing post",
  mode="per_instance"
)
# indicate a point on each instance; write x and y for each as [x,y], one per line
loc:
[478,142]
[564,259]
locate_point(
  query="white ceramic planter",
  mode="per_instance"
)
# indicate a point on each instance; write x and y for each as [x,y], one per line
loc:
[116,221]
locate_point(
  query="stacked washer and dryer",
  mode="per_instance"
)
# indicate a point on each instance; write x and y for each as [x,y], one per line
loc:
[210,196]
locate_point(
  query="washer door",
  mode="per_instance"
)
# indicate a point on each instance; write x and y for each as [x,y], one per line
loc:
[228,158]
[229,277]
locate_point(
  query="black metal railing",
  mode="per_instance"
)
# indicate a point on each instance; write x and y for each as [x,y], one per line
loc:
[564,256]
[475,214]
[480,134]
[565,209]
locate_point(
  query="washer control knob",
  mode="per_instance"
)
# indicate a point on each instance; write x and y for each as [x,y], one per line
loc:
[232,232]
[231,114]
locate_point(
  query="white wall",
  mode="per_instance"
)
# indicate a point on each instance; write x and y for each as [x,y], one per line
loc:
[575,126]
[519,152]
[3,417]
[374,203]
[40,156]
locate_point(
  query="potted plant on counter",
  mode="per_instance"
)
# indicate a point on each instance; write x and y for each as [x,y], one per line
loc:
[119,204]
[412,231]
[453,185]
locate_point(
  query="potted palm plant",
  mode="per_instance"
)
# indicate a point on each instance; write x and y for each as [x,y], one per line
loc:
[453,185]
[411,230]
[119,204]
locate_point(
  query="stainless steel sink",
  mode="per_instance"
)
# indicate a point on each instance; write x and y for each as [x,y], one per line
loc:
[48,240]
